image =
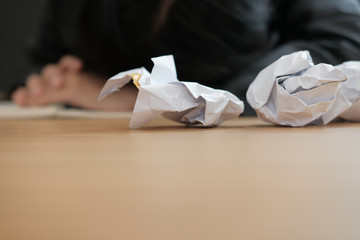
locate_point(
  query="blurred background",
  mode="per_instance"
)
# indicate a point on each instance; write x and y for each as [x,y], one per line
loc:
[19,21]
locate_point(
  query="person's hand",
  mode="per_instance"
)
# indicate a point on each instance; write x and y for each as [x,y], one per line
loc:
[65,82]
[47,87]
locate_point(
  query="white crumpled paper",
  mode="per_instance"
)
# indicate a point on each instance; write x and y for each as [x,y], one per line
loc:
[161,93]
[294,92]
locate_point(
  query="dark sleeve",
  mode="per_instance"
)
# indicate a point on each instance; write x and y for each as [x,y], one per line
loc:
[49,43]
[329,29]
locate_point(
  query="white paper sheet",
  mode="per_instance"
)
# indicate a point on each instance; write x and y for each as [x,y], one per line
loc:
[352,89]
[9,110]
[161,93]
[294,92]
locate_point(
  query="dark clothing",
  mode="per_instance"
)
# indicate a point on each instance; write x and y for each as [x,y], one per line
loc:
[218,43]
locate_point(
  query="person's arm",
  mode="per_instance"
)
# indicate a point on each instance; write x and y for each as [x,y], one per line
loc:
[62,78]
[48,44]
[329,29]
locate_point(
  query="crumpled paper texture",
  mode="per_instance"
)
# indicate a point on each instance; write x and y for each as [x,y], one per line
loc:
[293,91]
[161,93]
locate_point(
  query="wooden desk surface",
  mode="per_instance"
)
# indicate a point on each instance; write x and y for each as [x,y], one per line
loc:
[97,179]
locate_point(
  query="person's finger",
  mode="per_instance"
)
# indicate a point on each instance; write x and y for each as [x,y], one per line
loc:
[70,63]
[36,89]
[35,85]
[52,75]
[19,96]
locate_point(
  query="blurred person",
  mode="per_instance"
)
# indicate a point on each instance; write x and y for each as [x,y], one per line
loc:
[219,43]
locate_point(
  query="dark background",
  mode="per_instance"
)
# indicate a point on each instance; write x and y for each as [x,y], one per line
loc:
[19,22]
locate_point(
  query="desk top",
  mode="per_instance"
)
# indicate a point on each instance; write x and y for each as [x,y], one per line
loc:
[97,179]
